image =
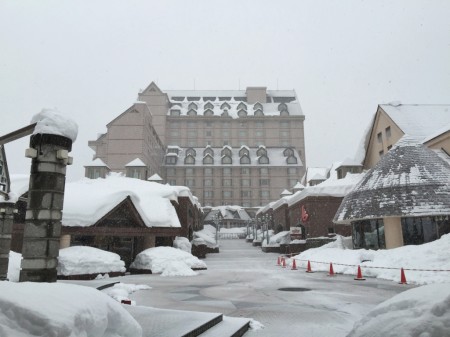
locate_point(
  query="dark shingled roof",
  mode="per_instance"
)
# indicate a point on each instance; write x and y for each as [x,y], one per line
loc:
[410,180]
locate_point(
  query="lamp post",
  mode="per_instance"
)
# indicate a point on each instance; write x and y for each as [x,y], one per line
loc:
[267,227]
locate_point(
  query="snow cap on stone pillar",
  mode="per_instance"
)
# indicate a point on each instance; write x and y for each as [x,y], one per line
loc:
[51,121]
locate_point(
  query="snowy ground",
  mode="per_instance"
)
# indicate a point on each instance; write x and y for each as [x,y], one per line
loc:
[241,281]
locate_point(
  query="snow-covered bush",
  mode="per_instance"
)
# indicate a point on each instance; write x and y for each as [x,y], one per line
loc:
[182,243]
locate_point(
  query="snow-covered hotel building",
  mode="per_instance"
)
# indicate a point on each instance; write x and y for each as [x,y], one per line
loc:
[228,146]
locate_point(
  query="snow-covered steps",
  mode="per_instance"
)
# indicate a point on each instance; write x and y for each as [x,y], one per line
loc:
[172,323]
[229,327]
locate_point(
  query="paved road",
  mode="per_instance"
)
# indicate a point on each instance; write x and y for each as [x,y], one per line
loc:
[241,281]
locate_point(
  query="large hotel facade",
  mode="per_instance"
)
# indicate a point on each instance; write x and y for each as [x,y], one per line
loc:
[239,147]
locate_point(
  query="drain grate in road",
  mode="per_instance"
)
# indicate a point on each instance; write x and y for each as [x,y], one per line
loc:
[294,289]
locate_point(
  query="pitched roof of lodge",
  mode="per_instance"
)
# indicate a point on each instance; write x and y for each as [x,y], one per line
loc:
[410,180]
[228,212]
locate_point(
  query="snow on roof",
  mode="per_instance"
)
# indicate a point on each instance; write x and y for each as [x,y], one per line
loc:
[88,200]
[298,186]
[349,162]
[286,192]
[228,212]
[275,155]
[136,162]
[330,187]
[97,162]
[418,119]
[19,185]
[409,180]
[50,121]
[313,171]
[437,133]
[267,207]
[318,176]
[155,177]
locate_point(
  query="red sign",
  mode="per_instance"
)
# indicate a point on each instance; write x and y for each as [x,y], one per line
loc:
[305,215]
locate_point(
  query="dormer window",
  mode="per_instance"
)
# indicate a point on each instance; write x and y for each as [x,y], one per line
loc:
[191,151]
[208,112]
[245,159]
[291,160]
[226,151]
[242,113]
[242,106]
[244,151]
[282,106]
[189,160]
[192,106]
[171,160]
[175,112]
[225,105]
[225,113]
[208,105]
[227,160]
[208,159]
[288,152]
[209,151]
[263,159]
[262,151]
[284,113]
[257,106]
[259,113]
[192,112]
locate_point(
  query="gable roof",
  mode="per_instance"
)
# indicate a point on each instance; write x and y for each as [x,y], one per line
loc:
[97,162]
[410,180]
[135,163]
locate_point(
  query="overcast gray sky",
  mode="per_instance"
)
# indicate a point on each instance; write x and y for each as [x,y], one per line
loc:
[90,58]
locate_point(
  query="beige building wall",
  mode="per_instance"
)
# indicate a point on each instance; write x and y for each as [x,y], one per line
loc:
[385,133]
[440,142]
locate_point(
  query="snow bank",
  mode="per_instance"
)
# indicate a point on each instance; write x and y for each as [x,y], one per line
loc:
[58,309]
[79,260]
[423,311]
[121,291]
[176,261]
[277,239]
[51,121]
[208,235]
[430,256]
[182,243]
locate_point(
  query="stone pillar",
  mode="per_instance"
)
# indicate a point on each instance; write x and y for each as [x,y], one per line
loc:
[6,224]
[41,238]
[393,232]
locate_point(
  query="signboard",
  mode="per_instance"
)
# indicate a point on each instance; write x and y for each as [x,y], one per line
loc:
[296,233]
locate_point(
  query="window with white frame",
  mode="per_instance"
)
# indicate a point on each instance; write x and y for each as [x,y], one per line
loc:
[264,182]
[208,171]
[245,170]
[227,182]
[207,182]
[227,194]
[246,182]
[208,194]
[189,182]
[189,171]
[226,171]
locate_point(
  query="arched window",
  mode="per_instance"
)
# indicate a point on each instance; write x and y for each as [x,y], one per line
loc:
[242,106]
[263,159]
[192,106]
[262,151]
[208,112]
[190,159]
[288,152]
[282,106]
[192,112]
[208,105]
[208,159]
[259,113]
[227,160]
[209,151]
[225,105]
[226,151]
[245,159]
[242,113]
[191,151]
[291,160]
[225,113]
[257,106]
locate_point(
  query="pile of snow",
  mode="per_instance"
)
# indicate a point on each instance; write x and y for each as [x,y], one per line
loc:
[51,121]
[58,309]
[208,235]
[278,239]
[182,243]
[430,256]
[14,266]
[423,311]
[79,260]
[235,230]
[121,291]
[168,261]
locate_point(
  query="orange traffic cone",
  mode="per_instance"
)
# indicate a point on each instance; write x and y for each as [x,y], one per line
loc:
[294,265]
[283,263]
[308,268]
[331,273]
[278,261]
[402,277]
[359,276]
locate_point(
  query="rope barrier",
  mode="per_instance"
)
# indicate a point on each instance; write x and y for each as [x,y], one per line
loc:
[373,267]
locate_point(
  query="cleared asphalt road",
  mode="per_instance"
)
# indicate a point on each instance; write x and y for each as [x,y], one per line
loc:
[241,281]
